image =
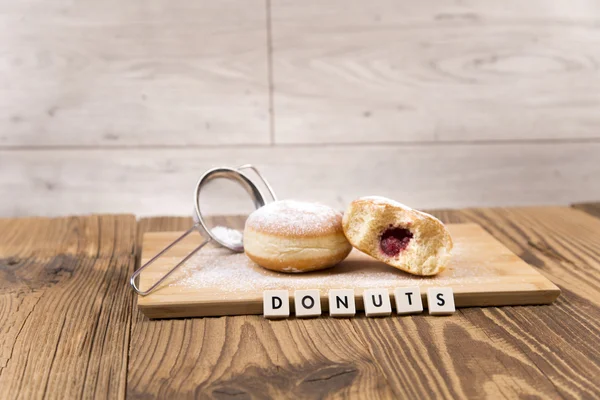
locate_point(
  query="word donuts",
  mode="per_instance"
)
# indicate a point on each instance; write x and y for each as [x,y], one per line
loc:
[341,302]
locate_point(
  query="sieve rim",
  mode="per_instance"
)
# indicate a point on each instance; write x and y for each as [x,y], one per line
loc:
[235,175]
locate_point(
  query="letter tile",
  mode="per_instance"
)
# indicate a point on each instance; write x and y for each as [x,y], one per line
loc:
[408,300]
[377,302]
[307,303]
[440,300]
[276,304]
[341,303]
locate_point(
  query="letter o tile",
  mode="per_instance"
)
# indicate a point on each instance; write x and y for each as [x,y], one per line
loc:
[307,303]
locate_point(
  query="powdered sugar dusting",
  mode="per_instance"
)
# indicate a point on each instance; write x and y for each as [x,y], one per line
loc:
[295,218]
[228,235]
[218,269]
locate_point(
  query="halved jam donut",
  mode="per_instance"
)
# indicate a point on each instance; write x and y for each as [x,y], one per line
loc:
[394,240]
[407,239]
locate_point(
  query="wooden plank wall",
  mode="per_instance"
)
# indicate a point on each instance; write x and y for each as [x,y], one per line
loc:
[110,106]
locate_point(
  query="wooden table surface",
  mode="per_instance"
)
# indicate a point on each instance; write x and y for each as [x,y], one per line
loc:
[69,326]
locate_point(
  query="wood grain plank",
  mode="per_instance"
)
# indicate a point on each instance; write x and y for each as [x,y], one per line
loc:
[248,356]
[93,236]
[542,351]
[65,309]
[450,357]
[562,243]
[397,71]
[145,73]
[590,208]
[150,182]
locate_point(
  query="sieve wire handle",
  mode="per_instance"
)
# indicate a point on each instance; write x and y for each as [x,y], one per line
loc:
[197,224]
[262,178]
[163,251]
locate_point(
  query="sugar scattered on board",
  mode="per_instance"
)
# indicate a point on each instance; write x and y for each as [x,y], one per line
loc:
[220,269]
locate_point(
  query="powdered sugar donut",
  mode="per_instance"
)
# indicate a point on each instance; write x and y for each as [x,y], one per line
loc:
[295,236]
[407,239]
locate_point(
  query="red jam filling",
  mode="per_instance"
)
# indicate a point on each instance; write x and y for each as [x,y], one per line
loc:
[394,240]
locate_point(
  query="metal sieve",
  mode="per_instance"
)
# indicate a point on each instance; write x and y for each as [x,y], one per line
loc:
[229,241]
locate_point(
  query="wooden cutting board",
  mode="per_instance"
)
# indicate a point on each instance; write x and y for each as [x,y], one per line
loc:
[218,282]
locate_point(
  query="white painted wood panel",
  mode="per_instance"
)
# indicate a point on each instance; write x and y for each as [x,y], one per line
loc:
[154,182]
[135,72]
[406,71]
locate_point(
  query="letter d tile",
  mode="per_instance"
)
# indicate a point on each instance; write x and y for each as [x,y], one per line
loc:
[276,304]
